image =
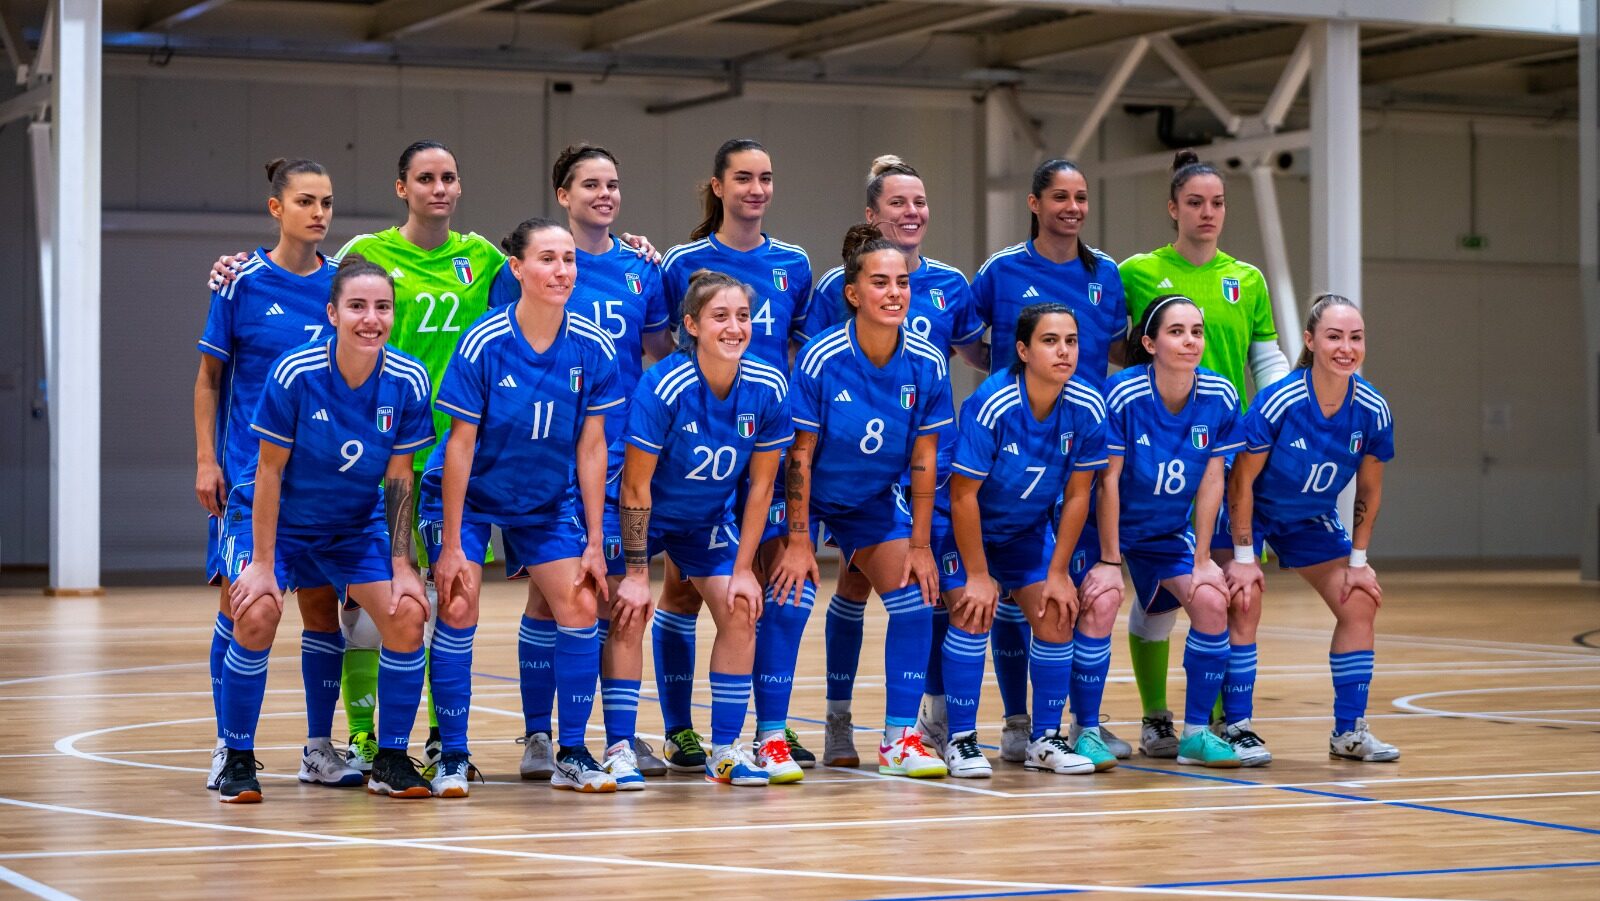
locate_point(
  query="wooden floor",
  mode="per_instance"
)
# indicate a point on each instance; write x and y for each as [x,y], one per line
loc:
[107,726]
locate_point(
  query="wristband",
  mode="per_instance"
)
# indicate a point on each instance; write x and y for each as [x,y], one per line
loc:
[1358,556]
[1109,563]
[1244,553]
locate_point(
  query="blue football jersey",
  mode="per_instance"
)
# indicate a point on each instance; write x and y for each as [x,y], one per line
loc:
[866,419]
[340,438]
[1164,454]
[263,312]
[703,444]
[1019,277]
[779,273]
[941,305]
[530,409]
[1023,462]
[1312,457]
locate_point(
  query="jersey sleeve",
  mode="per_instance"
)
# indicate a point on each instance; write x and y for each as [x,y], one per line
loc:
[966,326]
[505,288]
[1262,328]
[802,307]
[463,393]
[416,422]
[1381,445]
[1116,431]
[1259,432]
[657,311]
[276,413]
[983,296]
[975,444]
[216,339]
[776,428]
[1135,287]
[825,307]
[1089,452]
[805,400]
[1230,434]
[649,419]
[935,411]
[607,390]
[675,283]
[1117,298]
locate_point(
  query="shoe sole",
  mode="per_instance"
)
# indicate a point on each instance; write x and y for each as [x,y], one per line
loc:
[973,774]
[938,772]
[631,786]
[1074,771]
[406,794]
[786,778]
[1210,764]
[244,797]
[586,789]
[1257,762]
[686,767]
[537,775]
[854,760]
[1373,759]
[1159,753]
[1103,765]
[654,772]
[350,781]
[738,783]
[804,764]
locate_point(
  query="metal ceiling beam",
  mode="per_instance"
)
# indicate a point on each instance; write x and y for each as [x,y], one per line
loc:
[862,28]
[645,19]
[163,14]
[1275,42]
[16,49]
[1186,71]
[1042,43]
[1552,79]
[1466,53]
[394,18]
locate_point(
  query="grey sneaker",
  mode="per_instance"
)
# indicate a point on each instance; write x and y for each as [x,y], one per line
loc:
[648,763]
[933,721]
[1156,736]
[838,743]
[1015,738]
[538,757]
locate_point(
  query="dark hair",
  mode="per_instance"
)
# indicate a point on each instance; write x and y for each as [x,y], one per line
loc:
[1042,176]
[1150,322]
[515,243]
[416,148]
[354,265]
[708,198]
[1320,305]
[883,167]
[704,285]
[561,175]
[280,170]
[1028,320]
[862,238]
[1186,165]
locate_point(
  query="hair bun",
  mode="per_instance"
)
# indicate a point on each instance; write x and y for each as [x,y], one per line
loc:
[352,259]
[884,164]
[273,167]
[1185,157]
[858,236]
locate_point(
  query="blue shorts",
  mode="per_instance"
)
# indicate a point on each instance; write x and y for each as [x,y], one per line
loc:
[1154,560]
[1024,558]
[307,561]
[559,538]
[235,522]
[699,553]
[1306,542]
[874,522]
[1222,538]
[952,571]
[1085,555]
[216,569]
[777,510]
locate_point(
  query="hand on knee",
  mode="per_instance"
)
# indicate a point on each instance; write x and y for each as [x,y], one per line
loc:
[1208,609]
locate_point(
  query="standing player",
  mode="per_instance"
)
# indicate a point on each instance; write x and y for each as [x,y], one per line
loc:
[1306,437]
[700,419]
[336,418]
[1054,265]
[1232,295]
[870,398]
[1170,425]
[730,239]
[527,393]
[278,300]
[1029,437]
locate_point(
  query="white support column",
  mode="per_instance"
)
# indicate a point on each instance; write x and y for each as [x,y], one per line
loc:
[75,368]
[1280,280]
[1000,217]
[44,217]
[1589,270]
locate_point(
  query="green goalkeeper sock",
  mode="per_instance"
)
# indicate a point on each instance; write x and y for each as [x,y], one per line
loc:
[1150,671]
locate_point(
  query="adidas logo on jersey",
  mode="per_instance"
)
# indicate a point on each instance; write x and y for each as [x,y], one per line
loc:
[396,273]
[1144,440]
[1012,449]
[692,428]
[1165,283]
[508,382]
[842,397]
[1298,444]
[1031,292]
[320,415]
[274,310]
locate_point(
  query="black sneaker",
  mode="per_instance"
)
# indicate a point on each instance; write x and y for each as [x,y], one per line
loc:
[684,752]
[238,784]
[805,758]
[394,774]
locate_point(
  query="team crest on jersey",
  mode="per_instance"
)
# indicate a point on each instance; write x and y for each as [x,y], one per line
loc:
[908,396]
[1230,289]
[951,562]
[1079,558]
[613,546]
[1200,437]
[635,284]
[1066,443]
[777,513]
[575,379]
[1096,291]
[463,269]
[747,425]
[937,296]
[1355,442]
[385,419]
[780,279]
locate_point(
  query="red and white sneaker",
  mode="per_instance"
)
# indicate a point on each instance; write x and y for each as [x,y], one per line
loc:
[906,756]
[773,757]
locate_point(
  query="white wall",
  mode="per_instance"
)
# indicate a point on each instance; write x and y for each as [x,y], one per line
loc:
[1477,350]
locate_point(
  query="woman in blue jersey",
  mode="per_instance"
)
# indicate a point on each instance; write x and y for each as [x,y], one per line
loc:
[869,399]
[1306,437]
[1029,437]
[700,420]
[336,418]
[279,300]
[1170,424]
[527,393]
[731,238]
[1055,264]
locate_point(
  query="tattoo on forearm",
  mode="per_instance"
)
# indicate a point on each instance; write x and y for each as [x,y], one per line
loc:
[794,484]
[917,467]
[635,535]
[1361,512]
[397,505]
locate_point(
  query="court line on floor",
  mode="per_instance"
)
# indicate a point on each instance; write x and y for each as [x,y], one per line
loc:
[1493,647]
[1408,703]
[33,886]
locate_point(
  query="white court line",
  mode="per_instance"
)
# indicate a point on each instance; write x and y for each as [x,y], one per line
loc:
[1362,783]
[1408,703]
[33,887]
[919,879]
[103,672]
[902,780]
[1492,647]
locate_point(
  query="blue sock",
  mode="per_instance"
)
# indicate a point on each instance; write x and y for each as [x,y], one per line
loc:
[1239,685]
[221,637]
[672,639]
[1205,659]
[619,706]
[941,625]
[777,645]
[321,665]
[577,670]
[244,681]
[905,655]
[1352,677]
[450,672]
[1050,664]
[730,700]
[400,677]
[1009,635]
[962,654]
[536,666]
[1091,660]
[842,645]
[602,629]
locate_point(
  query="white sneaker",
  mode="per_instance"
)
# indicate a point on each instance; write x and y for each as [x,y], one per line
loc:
[538,758]
[774,759]
[219,756]
[1118,748]
[1014,737]
[1157,738]
[733,765]
[623,765]
[838,742]
[452,775]
[1052,754]
[965,759]
[907,756]
[1251,749]
[320,764]
[577,770]
[934,723]
[1360,744]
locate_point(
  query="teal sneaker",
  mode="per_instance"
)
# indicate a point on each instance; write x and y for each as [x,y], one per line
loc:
[1092,746]
[1205,748]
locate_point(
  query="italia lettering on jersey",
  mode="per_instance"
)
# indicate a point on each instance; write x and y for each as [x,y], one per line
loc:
[1019,277]
[866,418]
[941,309]
[340,438]
[780,274]
[530,408]
[1024,462]
[253,319]
[1164,454]
[1312,457]
[703,444]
